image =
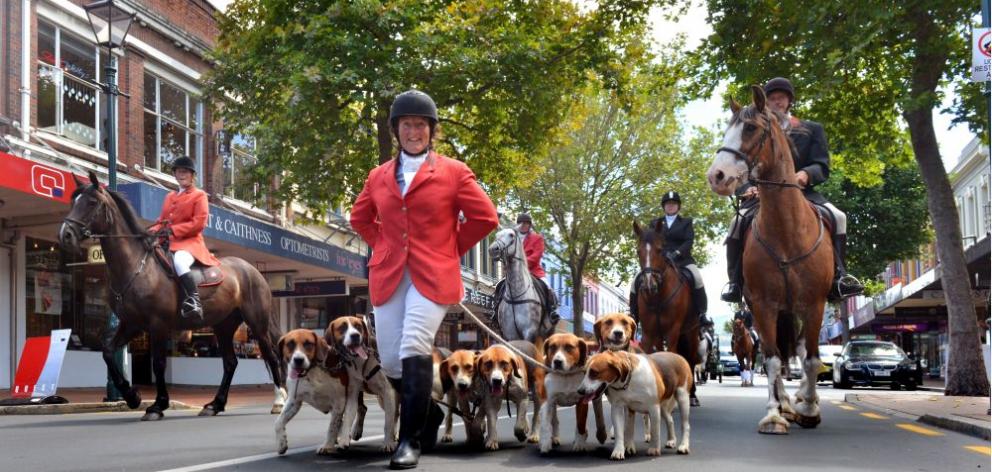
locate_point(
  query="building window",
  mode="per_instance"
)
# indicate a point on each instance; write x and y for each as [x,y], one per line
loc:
[238,152]
[488,266]
[468,260]
[70,103]
[173,125]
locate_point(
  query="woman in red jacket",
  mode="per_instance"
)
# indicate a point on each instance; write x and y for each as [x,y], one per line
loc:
[408,213]
[184,215]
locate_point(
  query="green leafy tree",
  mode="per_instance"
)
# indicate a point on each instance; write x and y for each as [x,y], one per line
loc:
[313,80]
[886,222]
[614,160]
[866,69]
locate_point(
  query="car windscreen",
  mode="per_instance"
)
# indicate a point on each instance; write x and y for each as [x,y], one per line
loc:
[876,350]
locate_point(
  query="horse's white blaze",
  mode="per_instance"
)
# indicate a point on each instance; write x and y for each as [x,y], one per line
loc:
[647,256]
[727,171]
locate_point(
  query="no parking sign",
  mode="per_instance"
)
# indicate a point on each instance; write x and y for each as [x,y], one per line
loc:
[981,55]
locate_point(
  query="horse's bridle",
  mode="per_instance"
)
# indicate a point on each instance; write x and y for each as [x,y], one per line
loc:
[661,275]
[750,159]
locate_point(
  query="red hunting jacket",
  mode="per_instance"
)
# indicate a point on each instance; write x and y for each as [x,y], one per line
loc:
[187,216]
[534,249]
[421,232]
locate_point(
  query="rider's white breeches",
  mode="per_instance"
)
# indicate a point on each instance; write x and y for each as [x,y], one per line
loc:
[183,261]
[840,219]
[697,278]
[405,326]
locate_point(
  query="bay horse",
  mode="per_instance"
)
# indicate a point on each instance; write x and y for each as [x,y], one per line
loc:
[744,349]
[519,312]
[788,266]
[146,297]
[664,300]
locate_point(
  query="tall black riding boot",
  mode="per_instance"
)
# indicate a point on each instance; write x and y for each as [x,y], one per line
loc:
[420,417]
[632,303]
[699,299]
[735,252]
[191,306]
[844,285]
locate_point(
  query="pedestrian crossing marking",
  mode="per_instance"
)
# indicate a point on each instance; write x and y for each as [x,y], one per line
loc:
[980,449]
[919,429]
[874,416]
[847,407]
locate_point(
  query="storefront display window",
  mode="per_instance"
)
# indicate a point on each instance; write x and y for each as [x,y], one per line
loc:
[60,296]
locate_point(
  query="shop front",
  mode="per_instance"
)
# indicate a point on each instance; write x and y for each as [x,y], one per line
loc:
[44,289]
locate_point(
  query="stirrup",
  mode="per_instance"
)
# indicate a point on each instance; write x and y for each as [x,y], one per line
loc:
[192,307]
[849,286]
[732,294]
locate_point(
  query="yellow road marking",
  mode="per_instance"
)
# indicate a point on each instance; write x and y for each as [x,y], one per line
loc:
[835,402]
[980,449]
[919,429]
[874,416]
[847,407]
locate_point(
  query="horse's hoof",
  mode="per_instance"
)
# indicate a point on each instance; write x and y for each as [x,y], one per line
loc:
[807,421]
[447,438]
[133,398]
[152,416]
[773,428]
[209,410]
[276,409]
[789,416]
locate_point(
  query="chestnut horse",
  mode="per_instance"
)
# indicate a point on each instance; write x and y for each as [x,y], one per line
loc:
[146,298]
[743,347]
[788,265]
[664,299]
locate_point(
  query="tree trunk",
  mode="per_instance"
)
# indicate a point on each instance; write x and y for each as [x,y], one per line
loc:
[965,365]
[578,322]
[384,133]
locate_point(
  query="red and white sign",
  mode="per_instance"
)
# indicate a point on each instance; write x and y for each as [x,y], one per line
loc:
[981,55]
[36,179]
[40,365]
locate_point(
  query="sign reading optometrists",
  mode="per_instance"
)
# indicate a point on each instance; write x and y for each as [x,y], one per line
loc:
[981,55]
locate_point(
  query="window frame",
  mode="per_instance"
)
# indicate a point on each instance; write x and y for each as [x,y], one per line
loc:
[195,149]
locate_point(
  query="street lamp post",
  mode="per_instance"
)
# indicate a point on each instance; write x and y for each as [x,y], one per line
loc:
[110,26]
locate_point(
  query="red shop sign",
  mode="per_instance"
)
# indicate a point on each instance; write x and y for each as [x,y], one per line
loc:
[35,179]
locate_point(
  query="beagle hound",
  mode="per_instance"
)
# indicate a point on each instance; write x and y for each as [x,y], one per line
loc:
[614,332]
[565,359]
[506,377]
[348,336]
[464,389]
[309,381]
[643,383]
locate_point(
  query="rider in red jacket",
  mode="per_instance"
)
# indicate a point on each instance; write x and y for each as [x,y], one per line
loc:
[534,251]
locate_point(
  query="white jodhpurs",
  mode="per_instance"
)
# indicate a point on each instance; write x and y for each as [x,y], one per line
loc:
[840,219]
[697,278]
[405,326]
[183,261]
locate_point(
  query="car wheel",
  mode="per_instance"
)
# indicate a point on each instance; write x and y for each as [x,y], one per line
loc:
[843,384]
[894,386]
[910,386]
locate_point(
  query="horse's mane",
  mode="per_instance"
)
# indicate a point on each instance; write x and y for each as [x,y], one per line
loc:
[127,212]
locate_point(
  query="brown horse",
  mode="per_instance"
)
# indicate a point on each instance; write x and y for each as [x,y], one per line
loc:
[743,347]
[146,297]
[664,301]
[787,264]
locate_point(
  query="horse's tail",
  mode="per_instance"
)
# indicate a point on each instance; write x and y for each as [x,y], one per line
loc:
[785,335]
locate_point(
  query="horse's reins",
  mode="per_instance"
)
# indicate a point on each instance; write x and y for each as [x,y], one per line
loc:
[85,231]
[661,274]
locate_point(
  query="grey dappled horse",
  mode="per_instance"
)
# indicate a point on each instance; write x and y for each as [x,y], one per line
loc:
[519,312]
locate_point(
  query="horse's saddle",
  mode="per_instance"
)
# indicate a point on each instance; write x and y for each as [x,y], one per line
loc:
[823,212]
[205,276]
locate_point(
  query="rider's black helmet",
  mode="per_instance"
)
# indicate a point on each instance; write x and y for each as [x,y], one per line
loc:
[184,163]
[672,196]
[524,218]
[413,103]
[781,84]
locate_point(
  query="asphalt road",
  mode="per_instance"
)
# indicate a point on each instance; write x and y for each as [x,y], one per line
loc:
[723,437]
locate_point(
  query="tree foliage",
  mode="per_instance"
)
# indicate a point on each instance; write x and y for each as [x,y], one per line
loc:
[886,222]
[313,81]
[614,159]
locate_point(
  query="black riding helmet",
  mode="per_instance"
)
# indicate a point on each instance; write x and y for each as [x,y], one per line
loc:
[184,162]
[781,84]
[671,196]
[413,103]
[524,218]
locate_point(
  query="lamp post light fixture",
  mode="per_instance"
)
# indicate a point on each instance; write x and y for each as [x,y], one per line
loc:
[110,24]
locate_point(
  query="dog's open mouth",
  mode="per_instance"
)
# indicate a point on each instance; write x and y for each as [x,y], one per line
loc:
[297,372]
[359,351]
[496,390]
[594,395]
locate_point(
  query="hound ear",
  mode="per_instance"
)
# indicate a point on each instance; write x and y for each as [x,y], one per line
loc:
[322,348]
[365,331]
[281,344]
[446,382]
[93,179]
[516,367]
[583,352]
[734,106]
[547,358]
[595,331]
[759,98]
